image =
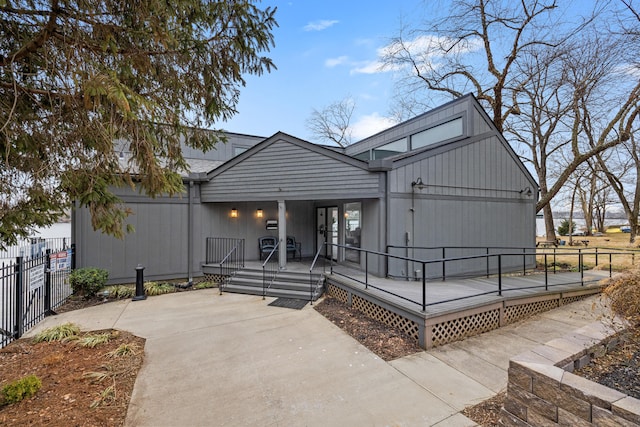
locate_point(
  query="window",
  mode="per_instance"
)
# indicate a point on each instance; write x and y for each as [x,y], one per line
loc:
[353,228]
[239,150]
[437,133]
[391,149]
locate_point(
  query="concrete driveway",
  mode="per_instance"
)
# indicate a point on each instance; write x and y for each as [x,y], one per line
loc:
[232,360]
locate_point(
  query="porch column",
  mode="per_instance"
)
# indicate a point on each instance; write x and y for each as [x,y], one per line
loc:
[282,234]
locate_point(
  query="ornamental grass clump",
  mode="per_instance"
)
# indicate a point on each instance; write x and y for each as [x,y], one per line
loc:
[154,288]
[58,333]
[23,388]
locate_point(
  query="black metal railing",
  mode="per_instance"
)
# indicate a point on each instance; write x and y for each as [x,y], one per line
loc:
[217,248]
[32,288]
[232,262]
[497,271]
[270,269]
[313,287]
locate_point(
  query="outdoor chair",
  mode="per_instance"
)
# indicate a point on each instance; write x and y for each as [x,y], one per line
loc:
[266,245]
[294,248]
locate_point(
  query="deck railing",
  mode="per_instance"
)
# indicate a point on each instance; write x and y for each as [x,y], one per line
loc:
[497,271]
[218,248]
[270,268]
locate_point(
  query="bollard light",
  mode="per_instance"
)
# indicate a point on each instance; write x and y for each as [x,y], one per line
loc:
[139,284]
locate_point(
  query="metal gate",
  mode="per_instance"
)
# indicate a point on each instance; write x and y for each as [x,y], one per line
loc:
[32,288]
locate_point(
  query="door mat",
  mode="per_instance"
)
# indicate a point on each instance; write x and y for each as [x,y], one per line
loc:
[296,304]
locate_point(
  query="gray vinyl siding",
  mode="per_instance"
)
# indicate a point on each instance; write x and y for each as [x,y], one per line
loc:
[472,198]
[159,242]
[287,171]
[223,151]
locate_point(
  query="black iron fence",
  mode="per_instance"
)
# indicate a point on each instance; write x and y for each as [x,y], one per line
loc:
[32,288]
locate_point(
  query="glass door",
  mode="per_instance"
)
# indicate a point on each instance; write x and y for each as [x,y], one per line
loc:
[327,230]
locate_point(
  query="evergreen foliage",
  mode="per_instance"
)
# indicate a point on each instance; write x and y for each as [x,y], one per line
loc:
[84,82]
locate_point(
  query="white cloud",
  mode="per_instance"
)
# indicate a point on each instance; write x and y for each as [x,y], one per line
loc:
[333,62]
[370,125]
[320,25]
[425,49]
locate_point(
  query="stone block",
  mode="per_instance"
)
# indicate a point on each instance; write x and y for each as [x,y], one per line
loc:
[509,420]
[603,418]
[539,420]
[532,403]
[582,361]
[550,391]
[515,407]
[569,345]
[589,391]
[566,418]
[627,408]
[520,376]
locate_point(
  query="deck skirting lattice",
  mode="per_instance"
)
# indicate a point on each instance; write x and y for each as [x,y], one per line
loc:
[433,329]
[517,312]
[338,293]
[385,316]
[463,327]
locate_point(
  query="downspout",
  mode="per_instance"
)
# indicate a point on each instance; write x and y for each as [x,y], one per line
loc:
[190,235]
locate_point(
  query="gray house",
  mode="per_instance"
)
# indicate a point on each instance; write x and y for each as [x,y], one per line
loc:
[445,179]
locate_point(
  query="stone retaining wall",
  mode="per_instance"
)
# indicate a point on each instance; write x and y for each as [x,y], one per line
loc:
[543,391]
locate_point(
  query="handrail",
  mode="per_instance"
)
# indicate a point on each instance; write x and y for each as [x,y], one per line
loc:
[230,264]
[500,272]
[313,264]
[272,272]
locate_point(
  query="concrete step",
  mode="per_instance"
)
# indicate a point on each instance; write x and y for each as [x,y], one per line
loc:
[271,292]
[286,284]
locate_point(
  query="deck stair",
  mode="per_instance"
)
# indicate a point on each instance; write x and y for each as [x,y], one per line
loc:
[286,284]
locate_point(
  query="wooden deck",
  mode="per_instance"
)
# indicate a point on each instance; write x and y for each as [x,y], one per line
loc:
[455,308]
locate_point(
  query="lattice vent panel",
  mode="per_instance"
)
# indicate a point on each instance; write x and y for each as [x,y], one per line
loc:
[385,316]
[569,300]
[522,311]
[338,293]
[457,329]
[215,278]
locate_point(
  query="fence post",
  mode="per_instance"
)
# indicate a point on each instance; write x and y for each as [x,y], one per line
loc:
[424,287]
[546,273]
[499,274]
[524,261]
[366,270]
[19,273]
[487,263]
[47,284]
[596,257]
[73,256]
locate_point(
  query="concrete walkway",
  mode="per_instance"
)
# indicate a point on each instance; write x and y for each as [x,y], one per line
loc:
[231,360]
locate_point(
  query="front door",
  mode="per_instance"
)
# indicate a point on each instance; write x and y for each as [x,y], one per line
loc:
[327,230]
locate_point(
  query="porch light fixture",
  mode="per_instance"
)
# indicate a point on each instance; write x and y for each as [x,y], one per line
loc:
[526,191]
[418,184]
[234,213]
[259,213]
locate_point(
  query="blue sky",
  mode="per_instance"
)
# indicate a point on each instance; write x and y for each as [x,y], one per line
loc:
[324,51]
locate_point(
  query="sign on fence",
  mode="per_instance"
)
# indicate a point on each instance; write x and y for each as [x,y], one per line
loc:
[36,277]
[60,261]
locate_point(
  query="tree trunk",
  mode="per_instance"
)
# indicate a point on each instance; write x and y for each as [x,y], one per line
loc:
[548,223]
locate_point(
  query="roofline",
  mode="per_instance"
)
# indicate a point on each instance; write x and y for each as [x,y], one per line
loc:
[291,139]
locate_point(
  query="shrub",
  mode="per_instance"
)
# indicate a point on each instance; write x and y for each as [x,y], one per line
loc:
[563,228]
[88,281]
[624,292]
[206,285]
[21,389]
